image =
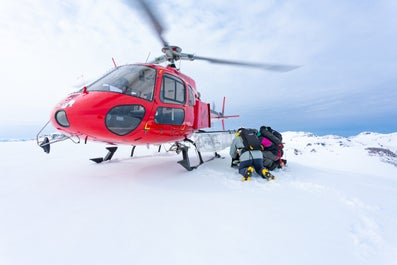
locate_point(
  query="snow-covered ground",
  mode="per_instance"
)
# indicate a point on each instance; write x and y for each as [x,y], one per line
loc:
[335,203]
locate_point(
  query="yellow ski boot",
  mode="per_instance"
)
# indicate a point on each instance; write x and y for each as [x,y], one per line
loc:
[248,174]
[267,175]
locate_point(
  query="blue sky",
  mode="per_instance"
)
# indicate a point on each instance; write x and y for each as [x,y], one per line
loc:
[347,82]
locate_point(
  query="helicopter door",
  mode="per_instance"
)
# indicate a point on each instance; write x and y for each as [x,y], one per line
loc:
[171,112]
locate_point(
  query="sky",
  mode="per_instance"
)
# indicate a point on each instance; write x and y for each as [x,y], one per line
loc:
[346,49]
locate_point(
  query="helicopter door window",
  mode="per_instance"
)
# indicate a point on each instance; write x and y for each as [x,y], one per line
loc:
[172,91]
[172,116]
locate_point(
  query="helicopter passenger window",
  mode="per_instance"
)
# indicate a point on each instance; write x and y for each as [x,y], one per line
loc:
[172,91]
[123,119]
[173,116]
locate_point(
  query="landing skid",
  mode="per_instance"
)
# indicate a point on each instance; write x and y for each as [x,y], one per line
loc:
[178,147]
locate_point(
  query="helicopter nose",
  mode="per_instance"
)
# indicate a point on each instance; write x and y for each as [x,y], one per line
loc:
[61,118]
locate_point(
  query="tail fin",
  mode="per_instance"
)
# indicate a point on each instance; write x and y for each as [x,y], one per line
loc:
[220,116]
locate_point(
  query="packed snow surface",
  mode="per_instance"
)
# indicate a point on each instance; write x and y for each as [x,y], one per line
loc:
[335,203]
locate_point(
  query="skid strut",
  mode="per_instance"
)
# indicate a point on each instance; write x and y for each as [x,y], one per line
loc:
[185,162]
[109,155]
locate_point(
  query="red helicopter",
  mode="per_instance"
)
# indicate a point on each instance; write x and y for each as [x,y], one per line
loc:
[140,104]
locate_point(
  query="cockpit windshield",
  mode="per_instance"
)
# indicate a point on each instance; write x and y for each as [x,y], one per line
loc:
[133,80]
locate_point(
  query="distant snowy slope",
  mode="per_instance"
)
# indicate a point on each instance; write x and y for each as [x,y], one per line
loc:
[370,139]
[335,203]
[353,153]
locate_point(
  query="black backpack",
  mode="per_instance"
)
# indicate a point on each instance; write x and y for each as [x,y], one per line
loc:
[250,139]
[271,134]
[275,137]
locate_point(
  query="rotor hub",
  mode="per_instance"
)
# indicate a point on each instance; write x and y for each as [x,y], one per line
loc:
[172,53]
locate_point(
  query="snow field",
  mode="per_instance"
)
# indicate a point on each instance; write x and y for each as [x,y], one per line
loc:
[63,209]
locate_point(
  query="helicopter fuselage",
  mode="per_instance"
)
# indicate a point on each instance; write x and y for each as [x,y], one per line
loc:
[134,104]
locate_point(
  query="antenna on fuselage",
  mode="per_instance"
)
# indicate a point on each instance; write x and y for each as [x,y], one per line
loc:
[147,58]
[114,63]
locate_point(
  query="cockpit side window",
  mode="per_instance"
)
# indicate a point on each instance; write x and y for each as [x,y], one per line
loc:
[142,84]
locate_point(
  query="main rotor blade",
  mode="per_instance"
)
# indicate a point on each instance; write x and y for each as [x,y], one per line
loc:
[263,66]
[154,20]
